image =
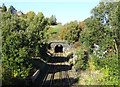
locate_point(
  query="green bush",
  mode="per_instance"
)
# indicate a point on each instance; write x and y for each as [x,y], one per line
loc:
[72,32]
[109,68]
[82,59]
[102,29]
[21,40]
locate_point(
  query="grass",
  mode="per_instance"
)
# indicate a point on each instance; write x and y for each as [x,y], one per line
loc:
[57,28]
[55,32]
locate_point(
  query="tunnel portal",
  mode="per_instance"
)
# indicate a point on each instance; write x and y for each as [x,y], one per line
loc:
[58,48]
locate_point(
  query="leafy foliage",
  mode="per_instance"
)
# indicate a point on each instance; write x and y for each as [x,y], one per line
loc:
[102,29]
[30,15]
[62,32]
[76,44]
[53,20]
[21,40]
[4,8]
[71,32]
[12,10]
[82,59]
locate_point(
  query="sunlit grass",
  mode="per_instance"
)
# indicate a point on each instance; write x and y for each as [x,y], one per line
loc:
[55,32]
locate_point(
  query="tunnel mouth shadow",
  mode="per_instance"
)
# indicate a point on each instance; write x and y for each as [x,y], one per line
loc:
[58,59]
[58,68]
[58,48]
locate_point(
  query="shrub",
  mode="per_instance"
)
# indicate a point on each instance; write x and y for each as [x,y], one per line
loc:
[82,59]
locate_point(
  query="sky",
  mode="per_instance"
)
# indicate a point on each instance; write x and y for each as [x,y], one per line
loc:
[63,10]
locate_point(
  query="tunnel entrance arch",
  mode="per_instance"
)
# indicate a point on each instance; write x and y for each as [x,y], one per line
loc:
[59,48]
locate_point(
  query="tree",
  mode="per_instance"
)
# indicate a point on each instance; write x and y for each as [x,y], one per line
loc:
[15,55]
[4,8]
[62,32]
[21,40]
[30,13]
[72,32]
[12,10]
[48,20]
[102,29]
[30,16]
[37,32]
[53,20]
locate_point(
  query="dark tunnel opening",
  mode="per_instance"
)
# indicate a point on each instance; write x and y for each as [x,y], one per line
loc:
[49,46]
[58,48]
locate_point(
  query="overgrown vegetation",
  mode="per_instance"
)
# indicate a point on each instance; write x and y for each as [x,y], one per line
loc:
[71,32]
[81,63]
[102,30]
[100,38]
[96,41]
[22,39]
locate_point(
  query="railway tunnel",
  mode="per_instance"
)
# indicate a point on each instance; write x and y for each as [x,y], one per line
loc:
[58,71]
[58,49]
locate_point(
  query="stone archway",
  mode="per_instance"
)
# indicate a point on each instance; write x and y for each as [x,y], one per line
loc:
[58,48]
